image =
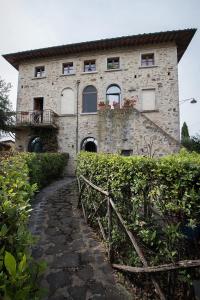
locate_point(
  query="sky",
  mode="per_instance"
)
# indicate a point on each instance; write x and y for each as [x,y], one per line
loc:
[32,24]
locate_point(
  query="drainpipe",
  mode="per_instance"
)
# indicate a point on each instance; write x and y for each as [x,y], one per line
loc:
[77,120]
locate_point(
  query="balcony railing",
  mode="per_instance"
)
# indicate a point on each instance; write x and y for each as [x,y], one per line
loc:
[36,118]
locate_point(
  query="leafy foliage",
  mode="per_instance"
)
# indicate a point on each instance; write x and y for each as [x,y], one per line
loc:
[158,198]
[20,177]
[45,167]
[192,144]
[5,106]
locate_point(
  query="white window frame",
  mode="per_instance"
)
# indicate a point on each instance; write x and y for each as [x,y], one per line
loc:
[71,71]
[113,57]
[90,60]
[145,53]
[42,73]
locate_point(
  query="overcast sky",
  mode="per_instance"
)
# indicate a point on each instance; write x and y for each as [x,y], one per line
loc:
[31,24]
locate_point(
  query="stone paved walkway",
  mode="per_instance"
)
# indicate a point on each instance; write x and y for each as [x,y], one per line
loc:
[77,267]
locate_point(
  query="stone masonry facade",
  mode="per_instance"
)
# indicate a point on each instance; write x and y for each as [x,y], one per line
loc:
[114,130]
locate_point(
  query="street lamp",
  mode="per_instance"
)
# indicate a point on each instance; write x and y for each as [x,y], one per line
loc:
[191,100]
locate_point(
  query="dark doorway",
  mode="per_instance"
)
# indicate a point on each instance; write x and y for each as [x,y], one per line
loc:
[38,104]
[90,147]
[35,145]
[37,115]
[89,144]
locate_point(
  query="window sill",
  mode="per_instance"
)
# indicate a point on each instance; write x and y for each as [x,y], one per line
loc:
[149,111]
[42,77]
[70,74]
[88,113]
[91,72]
[67,115]
[147,67]
[113,70]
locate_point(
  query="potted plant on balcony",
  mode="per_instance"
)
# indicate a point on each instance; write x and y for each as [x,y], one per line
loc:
[130,103]
[116,105]
[103,105]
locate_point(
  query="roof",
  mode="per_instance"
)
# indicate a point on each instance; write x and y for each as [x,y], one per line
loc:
[182,38]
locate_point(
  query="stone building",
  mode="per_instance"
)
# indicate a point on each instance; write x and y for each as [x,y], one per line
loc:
[116,95]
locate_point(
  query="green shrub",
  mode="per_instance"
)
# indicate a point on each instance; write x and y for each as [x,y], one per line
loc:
[45,167]
[158,198]
[20,177]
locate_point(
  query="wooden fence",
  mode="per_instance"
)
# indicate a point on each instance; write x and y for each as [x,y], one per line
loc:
[108,200]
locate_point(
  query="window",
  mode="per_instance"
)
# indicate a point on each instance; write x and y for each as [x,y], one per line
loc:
[113,95]
[67,102]
[147,60]
[89,99]
[39,71]
[68,68]
[89,66]
[127,152]
[148,99]
[113,63]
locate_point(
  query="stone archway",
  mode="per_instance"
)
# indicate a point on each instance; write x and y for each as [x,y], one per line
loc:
[89,144]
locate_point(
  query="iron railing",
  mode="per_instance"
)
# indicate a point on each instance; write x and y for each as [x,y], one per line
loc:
[36,118]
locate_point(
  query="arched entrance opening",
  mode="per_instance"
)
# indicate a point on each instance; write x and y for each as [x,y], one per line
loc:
[35,145]
[89,144]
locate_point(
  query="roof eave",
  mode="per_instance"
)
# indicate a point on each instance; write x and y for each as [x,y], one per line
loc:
[182,38]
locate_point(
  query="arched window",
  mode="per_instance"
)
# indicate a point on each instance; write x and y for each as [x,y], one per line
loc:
[113,94]
[35,145]
[67,102]
[89,144]
[89,99]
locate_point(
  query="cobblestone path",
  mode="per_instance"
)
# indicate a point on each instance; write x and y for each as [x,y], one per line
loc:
[77,267]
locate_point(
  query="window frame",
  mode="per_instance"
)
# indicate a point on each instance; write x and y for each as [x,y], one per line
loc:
[83,94]
[147,65]
[70,70]
[41,72]
[113,58]
[90,62]
[114,94]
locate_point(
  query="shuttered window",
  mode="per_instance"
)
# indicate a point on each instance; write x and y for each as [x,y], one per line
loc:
[89,99]
[148,99]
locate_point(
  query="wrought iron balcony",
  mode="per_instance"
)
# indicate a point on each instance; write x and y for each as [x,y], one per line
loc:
[36,118]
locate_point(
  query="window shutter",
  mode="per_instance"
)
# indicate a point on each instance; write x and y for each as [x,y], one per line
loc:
[148,99]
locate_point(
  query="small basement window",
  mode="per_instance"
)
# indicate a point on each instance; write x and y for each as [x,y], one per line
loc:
[89,66]
[68,68]
[127,152]
[40,71]
[113,63]
[147,60]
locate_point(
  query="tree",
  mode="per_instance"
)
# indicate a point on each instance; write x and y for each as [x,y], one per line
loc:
[185,132]
[192,144]
[6,114]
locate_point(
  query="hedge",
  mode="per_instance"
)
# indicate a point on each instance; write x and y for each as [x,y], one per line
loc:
[20,177]
[159,198]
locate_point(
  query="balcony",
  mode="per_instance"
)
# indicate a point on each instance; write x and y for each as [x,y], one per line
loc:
[35,118]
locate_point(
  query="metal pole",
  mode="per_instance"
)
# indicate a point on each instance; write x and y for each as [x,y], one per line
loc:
[77,120]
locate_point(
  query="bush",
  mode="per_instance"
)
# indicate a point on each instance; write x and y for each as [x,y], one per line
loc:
[20,177]
[158,198]
[45,167]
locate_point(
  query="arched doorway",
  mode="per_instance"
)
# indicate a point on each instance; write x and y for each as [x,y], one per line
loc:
[35,145]
[89,144]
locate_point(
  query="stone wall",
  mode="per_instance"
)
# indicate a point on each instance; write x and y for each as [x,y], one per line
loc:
[131,78]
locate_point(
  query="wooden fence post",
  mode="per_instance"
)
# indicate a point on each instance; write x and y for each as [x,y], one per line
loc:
[109,214]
